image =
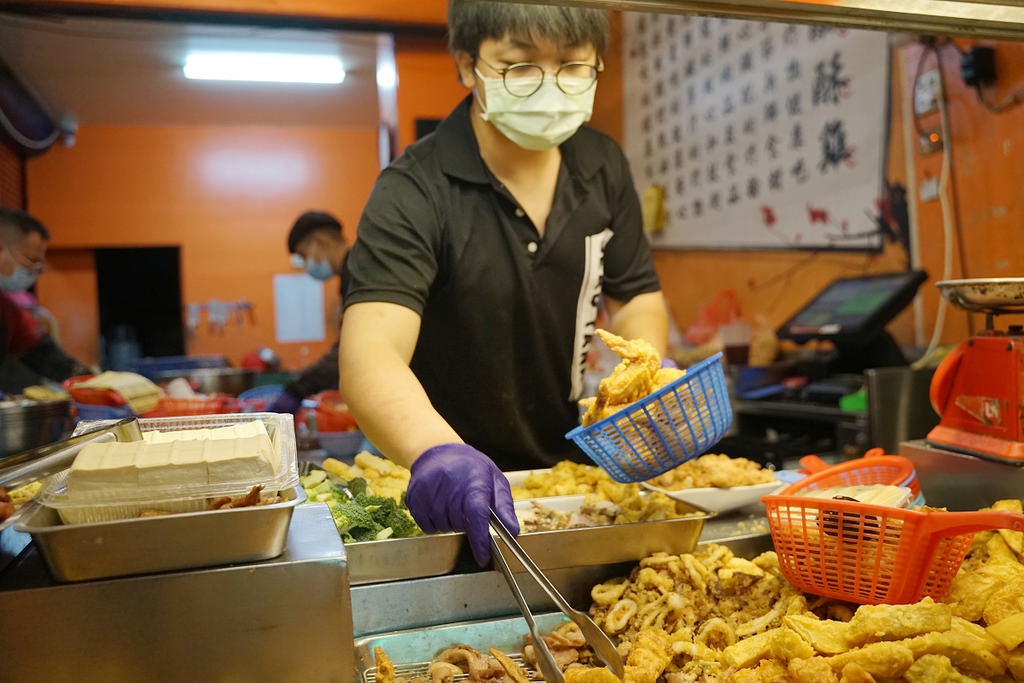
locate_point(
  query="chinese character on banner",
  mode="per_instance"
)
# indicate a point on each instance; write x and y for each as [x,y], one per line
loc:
[749,123]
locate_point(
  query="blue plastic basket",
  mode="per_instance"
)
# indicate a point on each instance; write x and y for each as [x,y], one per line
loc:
[267,392]
[91,412]
[674,424]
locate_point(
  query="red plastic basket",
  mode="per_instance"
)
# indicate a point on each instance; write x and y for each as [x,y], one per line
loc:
[874,468]
[332,413]
[872,554]
[92,397]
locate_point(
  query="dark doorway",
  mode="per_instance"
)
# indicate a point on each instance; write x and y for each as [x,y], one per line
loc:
[139,303]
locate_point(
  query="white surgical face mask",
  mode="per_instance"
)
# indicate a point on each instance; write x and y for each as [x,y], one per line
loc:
[544,120]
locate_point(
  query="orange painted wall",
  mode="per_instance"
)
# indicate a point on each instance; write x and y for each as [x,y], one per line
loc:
[68,290]
[428,86]
[422,12]
[226,195]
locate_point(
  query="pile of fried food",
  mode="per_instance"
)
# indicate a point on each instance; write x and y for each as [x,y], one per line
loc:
[637,376]
[11,501]
[714,470]
[631,503]
[251,499]
[712,617]
[653,507]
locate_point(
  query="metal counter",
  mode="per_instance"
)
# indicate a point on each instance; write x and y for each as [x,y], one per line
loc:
[962,482]
[285,619]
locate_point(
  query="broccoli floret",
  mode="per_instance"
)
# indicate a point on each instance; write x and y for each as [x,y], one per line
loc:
[366,500]
[402,524]
[367,534]
[349,516]
[357,486]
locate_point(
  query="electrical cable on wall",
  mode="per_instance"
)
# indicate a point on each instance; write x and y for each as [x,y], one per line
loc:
[947,220]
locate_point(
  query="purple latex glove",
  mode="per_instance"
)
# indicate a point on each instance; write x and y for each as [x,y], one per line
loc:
[284,403]
[453,488]
[669,363]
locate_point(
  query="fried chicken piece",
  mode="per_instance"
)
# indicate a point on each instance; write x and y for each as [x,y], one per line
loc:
[650,655]
[585,675]
[631,380]
[219,503]
[385,669]
[813,670]
[478,666]
[512,670]
[250,499]
[931,668]
[443,672]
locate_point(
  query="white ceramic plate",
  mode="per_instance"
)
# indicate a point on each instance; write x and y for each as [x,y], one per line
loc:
[721,500]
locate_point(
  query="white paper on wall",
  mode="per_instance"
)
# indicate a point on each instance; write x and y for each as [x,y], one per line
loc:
[298,308]
[762,135]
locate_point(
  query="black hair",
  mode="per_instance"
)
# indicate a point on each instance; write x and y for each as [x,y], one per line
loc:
[17,220]
[471,22]
[310,222]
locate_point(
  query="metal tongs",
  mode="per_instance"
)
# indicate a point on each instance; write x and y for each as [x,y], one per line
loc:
[594,636]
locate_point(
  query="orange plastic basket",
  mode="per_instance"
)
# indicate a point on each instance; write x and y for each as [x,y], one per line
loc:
[92,397]
[874,468]
[183,407]
[871,554]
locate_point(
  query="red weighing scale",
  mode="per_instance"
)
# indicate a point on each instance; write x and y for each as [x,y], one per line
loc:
[978,389]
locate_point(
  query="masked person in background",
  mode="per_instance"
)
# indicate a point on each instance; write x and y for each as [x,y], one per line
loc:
[481,257]
[316,237]
[26,356]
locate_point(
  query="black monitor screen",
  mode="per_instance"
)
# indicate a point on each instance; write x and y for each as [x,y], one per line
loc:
[854,306]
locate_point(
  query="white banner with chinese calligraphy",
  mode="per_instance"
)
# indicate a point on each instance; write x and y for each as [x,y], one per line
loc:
[763,136]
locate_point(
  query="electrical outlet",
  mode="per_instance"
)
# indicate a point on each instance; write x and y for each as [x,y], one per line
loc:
[926,92]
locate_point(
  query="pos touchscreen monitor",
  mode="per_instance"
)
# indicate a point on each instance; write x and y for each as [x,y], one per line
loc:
[852,313]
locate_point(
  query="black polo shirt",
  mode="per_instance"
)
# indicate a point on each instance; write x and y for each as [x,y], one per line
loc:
[507,316]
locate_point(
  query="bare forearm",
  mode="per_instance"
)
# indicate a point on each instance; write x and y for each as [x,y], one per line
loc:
[642,317]
[386,399]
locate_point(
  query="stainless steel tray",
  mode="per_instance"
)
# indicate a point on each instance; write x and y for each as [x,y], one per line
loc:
[79,552]
[985,295]
[397,559]
[412,651]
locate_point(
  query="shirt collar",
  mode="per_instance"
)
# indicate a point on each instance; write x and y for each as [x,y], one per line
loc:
[460,157]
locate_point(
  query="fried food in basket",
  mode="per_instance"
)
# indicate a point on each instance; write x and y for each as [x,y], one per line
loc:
[385,668]
[638,375]
[714,470]
[512,670]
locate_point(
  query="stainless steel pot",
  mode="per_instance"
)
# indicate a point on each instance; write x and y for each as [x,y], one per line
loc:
[231,381]
[28,424]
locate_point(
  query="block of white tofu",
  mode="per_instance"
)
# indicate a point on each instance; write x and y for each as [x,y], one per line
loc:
[239,460]
[239,455]
[98,467]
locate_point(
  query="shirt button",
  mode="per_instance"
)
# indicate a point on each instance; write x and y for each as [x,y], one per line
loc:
[532,247]
[520,213]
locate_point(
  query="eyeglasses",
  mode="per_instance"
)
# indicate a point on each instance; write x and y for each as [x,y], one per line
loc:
[572,78]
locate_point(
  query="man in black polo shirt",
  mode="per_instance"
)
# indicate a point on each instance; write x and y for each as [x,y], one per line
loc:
[481,258]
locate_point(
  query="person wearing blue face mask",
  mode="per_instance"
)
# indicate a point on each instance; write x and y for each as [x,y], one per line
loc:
[480,261]
[26,356]
[316,237]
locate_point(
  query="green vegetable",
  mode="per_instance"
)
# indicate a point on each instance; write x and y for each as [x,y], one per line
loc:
[322,487]
[349,516]
[357,486]
[312,479]
[384,534]
[402,523]
[367,534]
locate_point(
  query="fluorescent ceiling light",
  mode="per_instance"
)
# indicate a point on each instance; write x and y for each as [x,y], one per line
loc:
[263,66]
